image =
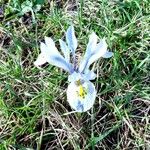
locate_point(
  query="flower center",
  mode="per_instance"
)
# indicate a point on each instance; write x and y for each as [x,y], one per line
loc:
[81,92]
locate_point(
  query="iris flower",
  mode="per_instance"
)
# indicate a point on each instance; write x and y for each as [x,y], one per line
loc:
[81,92]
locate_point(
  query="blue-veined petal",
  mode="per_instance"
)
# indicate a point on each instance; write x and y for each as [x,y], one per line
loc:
[65,49]
[52,56]
[89,50]
[91,44]
[99,51]
[59,61]
[71,39]
[55,58]
[80,104]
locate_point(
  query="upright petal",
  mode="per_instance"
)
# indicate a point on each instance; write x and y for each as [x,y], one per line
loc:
[79,102]
[99,51]
[65,49]
[71,39]
[90,48]
[91,44]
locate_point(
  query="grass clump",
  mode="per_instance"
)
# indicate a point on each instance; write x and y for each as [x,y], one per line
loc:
[34,112]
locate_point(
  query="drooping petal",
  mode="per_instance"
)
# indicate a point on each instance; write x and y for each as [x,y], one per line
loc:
[89,50]
[91,44]
[71,39]
[78,103]
[65,49]
[40,60]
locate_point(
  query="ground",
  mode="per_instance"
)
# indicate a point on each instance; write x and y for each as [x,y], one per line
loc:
[34,112]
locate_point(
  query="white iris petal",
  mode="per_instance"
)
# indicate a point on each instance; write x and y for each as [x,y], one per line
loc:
[40,60]
[99,51]
[78,103]
[65,49]
[50,54]
[71,39]
[89,50]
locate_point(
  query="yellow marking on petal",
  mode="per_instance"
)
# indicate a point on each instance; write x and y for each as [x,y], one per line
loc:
[82,92]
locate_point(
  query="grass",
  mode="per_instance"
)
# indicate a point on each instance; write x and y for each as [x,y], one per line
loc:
[34,113]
